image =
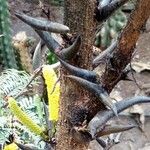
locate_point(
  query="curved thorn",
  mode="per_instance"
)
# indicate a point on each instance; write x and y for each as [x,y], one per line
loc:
[91,87]
[103,3]
[109,129]
[70,52]
[50,42]
[43,24]
[101,142]
[100,119]
[83,73]
[108,102]
[55,66]
[106,11]
[105,54]
[96,89]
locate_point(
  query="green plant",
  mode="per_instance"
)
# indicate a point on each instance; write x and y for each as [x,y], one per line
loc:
[7,55]
[110,29]
[57,2]
[51,58]
[27,110]
[12,83]
[21,44]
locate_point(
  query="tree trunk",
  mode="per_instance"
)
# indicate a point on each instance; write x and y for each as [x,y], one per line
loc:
[76,104]
[79,16]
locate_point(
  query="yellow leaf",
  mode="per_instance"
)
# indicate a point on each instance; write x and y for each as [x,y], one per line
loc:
[53,91]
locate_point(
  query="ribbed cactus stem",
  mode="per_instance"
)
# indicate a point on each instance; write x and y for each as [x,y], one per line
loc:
[7,55]
[21,43]
[111,29]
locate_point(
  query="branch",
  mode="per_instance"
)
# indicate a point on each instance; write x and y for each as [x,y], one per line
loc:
[98,122]
[102,13]
[126,44]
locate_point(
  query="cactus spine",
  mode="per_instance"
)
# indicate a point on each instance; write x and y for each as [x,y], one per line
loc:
[7,55]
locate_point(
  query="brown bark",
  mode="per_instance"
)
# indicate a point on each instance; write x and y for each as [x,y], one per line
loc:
[79,17]
[126,44]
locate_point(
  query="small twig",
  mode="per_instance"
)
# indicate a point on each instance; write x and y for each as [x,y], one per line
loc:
[36,73]
[55,85]
[48,122]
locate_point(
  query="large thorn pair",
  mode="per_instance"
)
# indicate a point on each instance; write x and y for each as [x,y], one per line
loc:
[88,80]
[43,27]
[55,47]
[97,124]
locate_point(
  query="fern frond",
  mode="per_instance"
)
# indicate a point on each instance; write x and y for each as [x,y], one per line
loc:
[12,82]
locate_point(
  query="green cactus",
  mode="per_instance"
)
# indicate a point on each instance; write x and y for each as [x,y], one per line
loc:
[7,55]
[57,2]
[21,44]
[110,30]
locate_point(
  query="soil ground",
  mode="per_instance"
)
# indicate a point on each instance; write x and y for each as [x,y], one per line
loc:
[135,139]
